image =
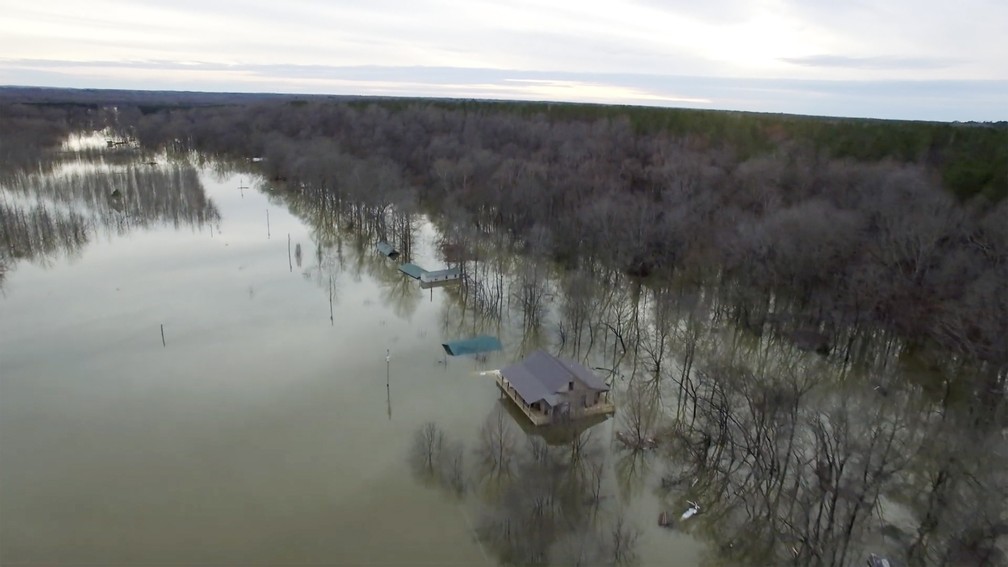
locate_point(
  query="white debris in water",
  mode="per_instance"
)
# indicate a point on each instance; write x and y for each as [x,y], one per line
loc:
[693,510]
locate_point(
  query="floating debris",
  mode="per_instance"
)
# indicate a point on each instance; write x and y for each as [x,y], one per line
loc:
[693,510]
[876,561]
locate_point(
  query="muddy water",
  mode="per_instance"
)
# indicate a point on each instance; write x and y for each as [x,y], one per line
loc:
[264,426]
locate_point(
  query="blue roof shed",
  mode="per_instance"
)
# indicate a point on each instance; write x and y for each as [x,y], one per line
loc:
[475,345]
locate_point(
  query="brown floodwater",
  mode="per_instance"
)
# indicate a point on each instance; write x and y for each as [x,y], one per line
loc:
[256,429]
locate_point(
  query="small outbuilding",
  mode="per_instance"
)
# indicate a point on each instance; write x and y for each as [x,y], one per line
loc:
[441,276]
[549,389]
[475,345]
[387,250]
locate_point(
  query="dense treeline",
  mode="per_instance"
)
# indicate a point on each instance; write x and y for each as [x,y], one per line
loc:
[796,459]
[820,239]
[828,223]
[29,132]
[972,157]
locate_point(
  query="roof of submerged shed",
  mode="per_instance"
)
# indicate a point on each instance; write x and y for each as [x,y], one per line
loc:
[482,343]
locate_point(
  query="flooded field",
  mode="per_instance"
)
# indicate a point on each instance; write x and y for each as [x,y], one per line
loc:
[189,376]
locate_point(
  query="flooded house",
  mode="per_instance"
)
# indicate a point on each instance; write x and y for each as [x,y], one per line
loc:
[387,250]
[430,278]
[549,389]
[412,270]
[441,276]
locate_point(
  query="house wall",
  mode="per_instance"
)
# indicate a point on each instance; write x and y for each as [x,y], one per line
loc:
[582,396]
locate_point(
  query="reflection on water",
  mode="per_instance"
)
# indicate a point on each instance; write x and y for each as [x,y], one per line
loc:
[259,434]
[85,141]
[45,215]
[260,431]
[263,430]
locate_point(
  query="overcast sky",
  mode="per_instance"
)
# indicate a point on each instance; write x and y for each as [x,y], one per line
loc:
[914,59]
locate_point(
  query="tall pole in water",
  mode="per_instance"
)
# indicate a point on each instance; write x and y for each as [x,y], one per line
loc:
[388,363]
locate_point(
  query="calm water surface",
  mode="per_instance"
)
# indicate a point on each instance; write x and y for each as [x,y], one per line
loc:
[261,431]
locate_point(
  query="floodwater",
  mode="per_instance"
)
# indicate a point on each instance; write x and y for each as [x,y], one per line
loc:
[188,377]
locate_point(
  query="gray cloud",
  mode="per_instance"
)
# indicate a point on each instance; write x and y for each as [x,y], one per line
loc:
[942,100]
[879,62]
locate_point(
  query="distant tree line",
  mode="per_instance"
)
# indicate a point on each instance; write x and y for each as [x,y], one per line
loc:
[28,132]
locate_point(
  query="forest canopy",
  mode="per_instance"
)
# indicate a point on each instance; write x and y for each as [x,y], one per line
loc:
[841,221]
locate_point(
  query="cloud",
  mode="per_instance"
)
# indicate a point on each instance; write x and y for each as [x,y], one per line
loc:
[878,62]
[726,38]
[714,11]
[943,100]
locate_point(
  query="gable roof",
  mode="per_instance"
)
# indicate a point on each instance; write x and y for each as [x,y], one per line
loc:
[542,376]
[386,249]
[412,270]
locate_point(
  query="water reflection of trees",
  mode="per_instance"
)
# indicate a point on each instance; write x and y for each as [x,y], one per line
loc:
[38,232]
[125,197]
[46,214]
[537,503]
[796,466]
[797,457]
[345,234]
[798,452]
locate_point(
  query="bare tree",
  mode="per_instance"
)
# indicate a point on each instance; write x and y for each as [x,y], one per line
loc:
[623,541]
[497,443]
[428,442]
[638,415]
[452,467]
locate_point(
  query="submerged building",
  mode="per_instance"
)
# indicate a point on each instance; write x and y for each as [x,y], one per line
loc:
[387,250]
[549,389]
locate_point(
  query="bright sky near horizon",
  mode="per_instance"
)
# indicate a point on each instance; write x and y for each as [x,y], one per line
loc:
[910,59]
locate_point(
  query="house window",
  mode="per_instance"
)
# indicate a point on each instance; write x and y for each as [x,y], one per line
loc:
[570,385]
